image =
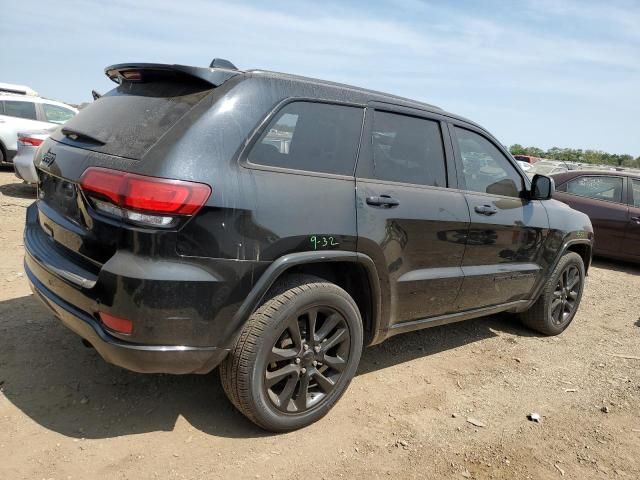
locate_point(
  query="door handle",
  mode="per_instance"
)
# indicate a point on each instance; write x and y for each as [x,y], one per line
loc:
[384,201]
[485,209]
[636,219]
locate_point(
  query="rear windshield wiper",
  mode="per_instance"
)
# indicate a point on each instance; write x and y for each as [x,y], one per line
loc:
[81,137]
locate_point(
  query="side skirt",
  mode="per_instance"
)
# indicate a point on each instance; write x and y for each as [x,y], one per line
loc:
[453,317]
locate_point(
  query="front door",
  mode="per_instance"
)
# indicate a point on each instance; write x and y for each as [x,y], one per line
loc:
[409,221]
[502,259]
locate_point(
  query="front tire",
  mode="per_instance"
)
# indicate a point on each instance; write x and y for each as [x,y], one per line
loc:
[295,356]
[560,298]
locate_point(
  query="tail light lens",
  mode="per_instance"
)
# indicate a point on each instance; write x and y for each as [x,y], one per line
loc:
[143,199]
[34,142]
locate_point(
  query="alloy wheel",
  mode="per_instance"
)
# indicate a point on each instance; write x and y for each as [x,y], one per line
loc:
[307,360]
[565,296]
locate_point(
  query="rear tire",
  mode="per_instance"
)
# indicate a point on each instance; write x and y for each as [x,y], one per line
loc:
[560,298]
[295,356]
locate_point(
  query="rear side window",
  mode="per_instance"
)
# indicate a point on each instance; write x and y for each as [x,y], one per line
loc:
[57,114]
[598,187]
[485,168]
[408,149]
[132,117]
[316,137]
[14,108]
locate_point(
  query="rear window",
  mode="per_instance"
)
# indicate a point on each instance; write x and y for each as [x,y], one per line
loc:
[56,113]
[317,137]
[20,109]
[133,116]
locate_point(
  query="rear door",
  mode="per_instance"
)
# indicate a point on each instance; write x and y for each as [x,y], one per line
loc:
[503,256]
[411,219]
[632,234]
[604,199]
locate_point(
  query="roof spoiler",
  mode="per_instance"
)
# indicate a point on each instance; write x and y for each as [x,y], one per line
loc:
[220,71]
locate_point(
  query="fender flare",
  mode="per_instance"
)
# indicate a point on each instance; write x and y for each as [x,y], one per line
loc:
[565,247]
[284,263]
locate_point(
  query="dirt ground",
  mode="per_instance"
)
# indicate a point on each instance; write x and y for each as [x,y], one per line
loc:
[66,414]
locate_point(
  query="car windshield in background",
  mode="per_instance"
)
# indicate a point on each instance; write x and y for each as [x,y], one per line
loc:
[133,116]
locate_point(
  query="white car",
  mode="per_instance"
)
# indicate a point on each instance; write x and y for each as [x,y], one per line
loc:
[524,165]
[25,112]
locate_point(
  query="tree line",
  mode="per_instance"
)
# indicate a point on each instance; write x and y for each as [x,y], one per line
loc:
[578,155]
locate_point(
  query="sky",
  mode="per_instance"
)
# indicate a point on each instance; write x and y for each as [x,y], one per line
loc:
[544,73]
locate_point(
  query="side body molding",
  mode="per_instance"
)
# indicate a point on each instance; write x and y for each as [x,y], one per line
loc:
[282,264]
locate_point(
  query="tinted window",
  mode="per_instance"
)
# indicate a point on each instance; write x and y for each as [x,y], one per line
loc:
[600,187]
[636,193]
[485,168]
[20,109]
[132,117]
[56,114]
[408,149]
[316,137]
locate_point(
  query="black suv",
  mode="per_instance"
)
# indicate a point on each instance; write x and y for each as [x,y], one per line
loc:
[274,225]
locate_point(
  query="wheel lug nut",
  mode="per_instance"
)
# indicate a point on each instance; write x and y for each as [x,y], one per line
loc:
[316,348]
[297,360]
[305,346]
[315,364]
[304,370]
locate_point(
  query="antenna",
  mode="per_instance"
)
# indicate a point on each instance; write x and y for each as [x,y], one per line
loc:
[222,63]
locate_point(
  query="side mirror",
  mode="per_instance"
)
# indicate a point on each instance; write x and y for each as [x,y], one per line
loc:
[542,187]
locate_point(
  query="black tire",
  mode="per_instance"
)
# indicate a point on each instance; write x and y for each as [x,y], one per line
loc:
[268,346]
[559,301]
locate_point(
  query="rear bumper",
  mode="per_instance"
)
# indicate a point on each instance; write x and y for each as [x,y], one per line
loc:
[24,168]
[135,357]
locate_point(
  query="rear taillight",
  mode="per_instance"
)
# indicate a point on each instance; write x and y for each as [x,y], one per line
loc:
[142,199]
[34,142]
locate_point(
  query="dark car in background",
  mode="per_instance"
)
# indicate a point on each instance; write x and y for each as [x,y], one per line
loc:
[611,199]
[274,225]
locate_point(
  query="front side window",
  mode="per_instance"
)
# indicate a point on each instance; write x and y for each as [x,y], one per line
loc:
[19,109]
[485,168]
[316,137]
[598,187]
[636,193]
[57,114]
[408,149]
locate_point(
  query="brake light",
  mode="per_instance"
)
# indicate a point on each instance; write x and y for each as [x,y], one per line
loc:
[34,142]
[141,198]
[120,325]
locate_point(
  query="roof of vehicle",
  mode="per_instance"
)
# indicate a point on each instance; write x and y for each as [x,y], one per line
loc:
[17,89]
[373,94]
[34,99]
[222,70]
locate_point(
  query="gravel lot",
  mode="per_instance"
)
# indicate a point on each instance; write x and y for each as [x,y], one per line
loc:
[409,413]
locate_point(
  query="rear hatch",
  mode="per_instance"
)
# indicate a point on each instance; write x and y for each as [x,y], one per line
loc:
[112,134]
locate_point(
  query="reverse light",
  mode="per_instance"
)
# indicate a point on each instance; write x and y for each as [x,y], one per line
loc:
[117,324]
[142,199]
[26,140]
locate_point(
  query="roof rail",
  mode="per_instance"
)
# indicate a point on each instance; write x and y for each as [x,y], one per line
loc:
[17,89]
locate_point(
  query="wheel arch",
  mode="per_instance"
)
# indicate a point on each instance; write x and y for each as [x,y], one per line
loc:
[349,270]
